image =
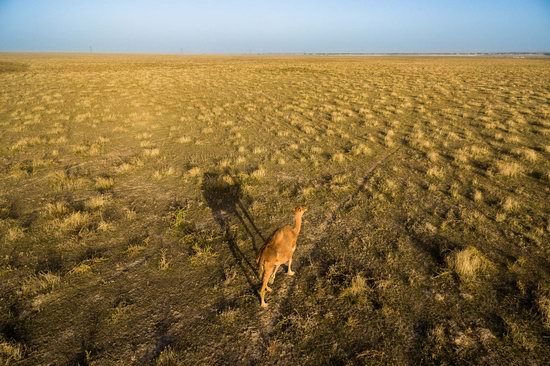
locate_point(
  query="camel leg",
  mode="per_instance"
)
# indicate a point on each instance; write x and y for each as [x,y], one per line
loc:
[267,274]
[272,279]
[260,271]
[290,271]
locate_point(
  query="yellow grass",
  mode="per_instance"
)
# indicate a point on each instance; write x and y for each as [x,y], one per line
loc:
[103,184]
[509,168]
[38,283]
[75,221]
[137,191]
[470,263]
[10,352]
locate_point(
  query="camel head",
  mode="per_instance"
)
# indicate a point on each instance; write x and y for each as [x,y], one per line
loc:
[300,210]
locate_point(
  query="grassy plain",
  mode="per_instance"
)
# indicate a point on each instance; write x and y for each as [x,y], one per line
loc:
[136,191]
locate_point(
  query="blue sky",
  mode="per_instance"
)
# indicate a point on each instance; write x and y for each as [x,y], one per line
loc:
[242,26]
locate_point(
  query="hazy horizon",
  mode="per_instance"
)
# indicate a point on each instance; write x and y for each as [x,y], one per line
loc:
[214,27]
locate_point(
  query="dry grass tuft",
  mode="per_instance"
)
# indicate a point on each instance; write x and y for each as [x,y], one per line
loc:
[361,149]
[464,340]
[543,302]
[224,163]
[62,181]
[500,217]
[357,288]
[80,269]
[526,153]
[193,172]
[129,213]
[124,168]
[120,312]
[228,316]
[144,135]
[10,352]
[184,140]
[168,357]
[56,209]
[433,156]
[103,184]
[75,221]
[39,283]
[26,142]
[258,173]
[478,196]
[510,204]
[339,179]
[509,168]
[163,173]
[164,263]
[135,249]
[307,191]
[338,157]
[13,234]
[436,172]
[470,263]
[96,202]
[316,150]
[202,254]
[461,155]
[105,226]
[544,305]
[522,335]
[151,152]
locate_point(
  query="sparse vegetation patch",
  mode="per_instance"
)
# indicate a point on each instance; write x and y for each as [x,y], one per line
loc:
[138,190]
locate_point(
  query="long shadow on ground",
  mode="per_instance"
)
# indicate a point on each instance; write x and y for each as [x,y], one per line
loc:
[225,199]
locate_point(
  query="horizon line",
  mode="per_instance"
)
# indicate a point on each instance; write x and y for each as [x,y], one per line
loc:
[469,53]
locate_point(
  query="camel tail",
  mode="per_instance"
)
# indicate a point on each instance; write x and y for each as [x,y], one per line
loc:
[259,256]
[261,252]
[261,270]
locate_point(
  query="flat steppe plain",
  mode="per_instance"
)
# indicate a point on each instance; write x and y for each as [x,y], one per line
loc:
[136,191]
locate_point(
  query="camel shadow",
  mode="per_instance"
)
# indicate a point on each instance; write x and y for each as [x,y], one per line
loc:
[226,201]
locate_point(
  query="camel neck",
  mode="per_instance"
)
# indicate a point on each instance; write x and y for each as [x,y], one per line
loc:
[297,223]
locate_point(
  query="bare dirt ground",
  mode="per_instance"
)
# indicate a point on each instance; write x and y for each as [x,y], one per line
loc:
[137,190]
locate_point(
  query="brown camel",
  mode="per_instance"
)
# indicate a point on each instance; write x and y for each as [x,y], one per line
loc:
[278,250]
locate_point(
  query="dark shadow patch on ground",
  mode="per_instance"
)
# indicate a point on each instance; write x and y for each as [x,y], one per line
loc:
[88,346]
[164,339]
[51,262]
[226,201]
[10,208]
[434,247]
[91,252]
[12,327]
